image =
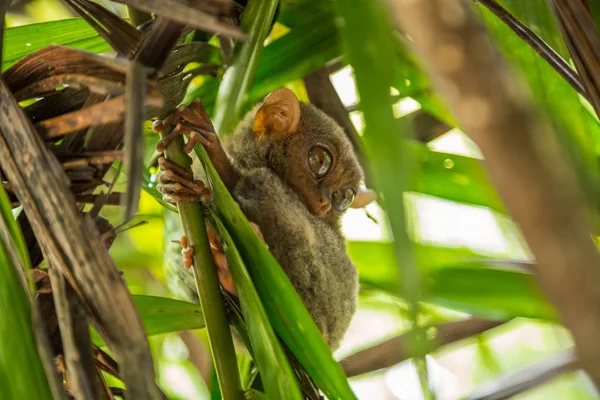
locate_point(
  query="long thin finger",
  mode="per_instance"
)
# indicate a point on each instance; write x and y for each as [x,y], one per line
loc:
[188,254]
[170,177]
[190,116]
[187,198]
[257,230]
[178,169]
[223,272]
[195,137]
[212,239]
[163,143]
[199,109]
[175,188]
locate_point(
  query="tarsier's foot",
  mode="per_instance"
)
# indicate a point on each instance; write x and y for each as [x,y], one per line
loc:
[178,185]
[221,265]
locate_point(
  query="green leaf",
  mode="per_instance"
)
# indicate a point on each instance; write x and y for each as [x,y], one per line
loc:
[253,394]
[456,278]
[285,309]
[452,177]
[76,33]
[163,315]
[485,291]
[306,48]
[277,375]
[14,230]
[256,22]
[21,372]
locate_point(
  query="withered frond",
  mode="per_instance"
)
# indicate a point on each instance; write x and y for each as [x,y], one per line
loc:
[57,148]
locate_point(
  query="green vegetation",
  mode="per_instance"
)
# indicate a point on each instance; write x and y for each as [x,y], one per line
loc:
[408,275]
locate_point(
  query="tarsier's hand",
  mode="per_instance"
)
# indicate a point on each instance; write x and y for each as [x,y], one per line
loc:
[194,121]
[191,120]
[223,272]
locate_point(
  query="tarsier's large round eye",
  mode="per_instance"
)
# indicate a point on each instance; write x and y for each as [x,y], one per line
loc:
[342,198]
[319,161]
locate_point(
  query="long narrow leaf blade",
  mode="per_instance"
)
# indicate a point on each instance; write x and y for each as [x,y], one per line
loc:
[22,375]
[284,307]
[76,33]
[276,373]
[163,315]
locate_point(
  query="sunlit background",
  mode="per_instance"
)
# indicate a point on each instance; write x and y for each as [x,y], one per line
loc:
[183,360]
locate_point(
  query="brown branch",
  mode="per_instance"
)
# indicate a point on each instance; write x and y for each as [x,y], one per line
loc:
[426,127]
[106,112]
[72,243]
[537,44]
[582,39]
[112,199]
[75,335]
[398,349]
[186,15]
[134,136]
[523,160]
[518,382]
[122,37]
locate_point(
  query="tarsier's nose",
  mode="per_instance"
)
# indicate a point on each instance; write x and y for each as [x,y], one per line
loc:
[323,205]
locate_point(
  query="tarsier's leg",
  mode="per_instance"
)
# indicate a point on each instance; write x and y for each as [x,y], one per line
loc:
[178,185]
[223,272]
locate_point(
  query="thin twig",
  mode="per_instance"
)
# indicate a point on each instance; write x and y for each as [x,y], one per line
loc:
[134,136]
[537,44]
[398,349]
[583,42]
[77,351]
[517,382]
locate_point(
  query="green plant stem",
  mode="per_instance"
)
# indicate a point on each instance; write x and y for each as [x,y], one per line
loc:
[237,80]
[207,283]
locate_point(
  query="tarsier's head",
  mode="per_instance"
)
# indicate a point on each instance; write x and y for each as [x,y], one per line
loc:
[311,152]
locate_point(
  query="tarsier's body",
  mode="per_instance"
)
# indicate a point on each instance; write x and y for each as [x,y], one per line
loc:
[293,173]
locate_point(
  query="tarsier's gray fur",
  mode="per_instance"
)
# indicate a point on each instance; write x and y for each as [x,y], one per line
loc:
[310,249]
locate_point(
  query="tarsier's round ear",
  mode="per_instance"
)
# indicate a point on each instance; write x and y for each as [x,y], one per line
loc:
[279,115]
[363,198]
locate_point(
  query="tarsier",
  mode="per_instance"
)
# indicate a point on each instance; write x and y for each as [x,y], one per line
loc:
[293,173]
